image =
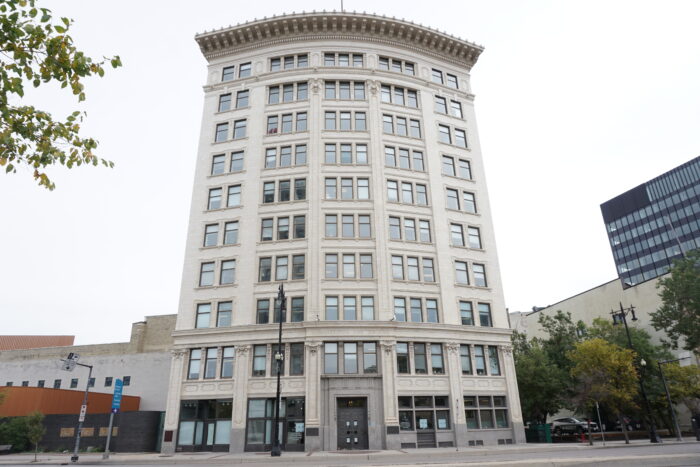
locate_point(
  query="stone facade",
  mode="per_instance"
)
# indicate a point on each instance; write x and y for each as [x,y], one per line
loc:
[339,156]
[145,359]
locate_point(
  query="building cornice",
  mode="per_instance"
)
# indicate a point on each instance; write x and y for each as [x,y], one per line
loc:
[363,27]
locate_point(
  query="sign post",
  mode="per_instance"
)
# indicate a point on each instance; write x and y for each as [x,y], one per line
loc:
[116,404]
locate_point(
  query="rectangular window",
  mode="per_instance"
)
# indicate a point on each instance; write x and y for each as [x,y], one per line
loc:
[474,237]
[359,92]
[409,228]
[273,95]
[211,234]
[299,226]
[296,361]
[440,105]
[332,308]
[448,166]
[57,384]
[206,274]
[461,274]
[234,196]
[221,132]
[263,312]
[431,310]
[396,267]
[412,99]
[363,188]
[350,357]
[346,188]
[331,266]
[348,266]
[400,309]
[331,225]
[301,121]
[418,161]
[287,123]
[203,315]
[244,70]
[231,233]
[428,270]
[485,315]
[420,359]
[227,73]
[288,93]
[394,228]
[465,170]
[236,161]
[281,268]
[300,189]
[452,81]
[265,270]
[346,153]
[415,129]
[457,235]
[479,360]
[416,310]
[366,267]
[406,193]
[227,358]
[444,134]
[466,313]
[401,127]
[210,364]
[469,202]
[259,360]
[494,365]
[367,308]
[436,360]
[298,266]
[412,270]
[388,124]
[461,138]
[344,90]
[331,188]
[108,382]
[217,164]
[361,154]
[302,91]
[194,366]
[282,228]
[242,99]
[465,359]
[330,358]
[239,129]
[224,312]
[360,121]
[330,87]
[479,271]
[425,231]
[421,195]
[224,102]
[345,121]
[364,226]
[297,309]
[456,109]
[437,76]
[452,199]
[402,359]
[228,272]
[330,121]
[369,357]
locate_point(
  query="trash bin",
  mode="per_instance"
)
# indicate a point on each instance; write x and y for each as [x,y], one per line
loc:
[539,433]
[695,421]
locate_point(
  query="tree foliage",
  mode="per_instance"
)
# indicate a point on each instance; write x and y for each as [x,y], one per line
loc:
[684,385]
[35,429]
[604,373]
[541,383]
[563,334]
[35,50]
[679,315]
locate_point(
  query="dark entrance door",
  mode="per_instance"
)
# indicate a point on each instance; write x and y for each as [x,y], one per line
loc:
[352,423]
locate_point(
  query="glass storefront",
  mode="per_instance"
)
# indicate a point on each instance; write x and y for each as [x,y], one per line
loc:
[205,425]
[260,420]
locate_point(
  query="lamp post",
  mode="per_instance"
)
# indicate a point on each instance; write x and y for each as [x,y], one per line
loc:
[279,360]
[621,315]
[668,396]
[69,363]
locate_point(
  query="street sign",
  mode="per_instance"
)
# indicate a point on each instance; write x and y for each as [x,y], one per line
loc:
[83,410]
[117,397]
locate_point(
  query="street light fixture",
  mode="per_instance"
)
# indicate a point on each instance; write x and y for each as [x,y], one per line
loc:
[69,363]
[621,316]
[279,360]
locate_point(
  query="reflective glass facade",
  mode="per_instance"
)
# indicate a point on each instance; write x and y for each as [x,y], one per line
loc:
[653,224]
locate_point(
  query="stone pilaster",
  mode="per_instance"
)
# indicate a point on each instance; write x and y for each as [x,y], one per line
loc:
[172,408]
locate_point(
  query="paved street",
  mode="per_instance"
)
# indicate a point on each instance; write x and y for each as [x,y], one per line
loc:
[639,453]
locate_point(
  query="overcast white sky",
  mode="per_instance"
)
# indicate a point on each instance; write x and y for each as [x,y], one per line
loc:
[577,101]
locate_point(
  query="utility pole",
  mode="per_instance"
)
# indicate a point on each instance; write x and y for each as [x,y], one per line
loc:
[279,360]
[668,396]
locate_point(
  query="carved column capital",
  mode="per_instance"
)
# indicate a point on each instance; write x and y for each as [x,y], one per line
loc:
[178,353]
[315,85]
[313,346]
[507,349]
[242,350]
[452,347]
[387,346]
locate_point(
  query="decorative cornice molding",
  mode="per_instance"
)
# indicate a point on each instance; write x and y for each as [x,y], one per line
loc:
[362,27]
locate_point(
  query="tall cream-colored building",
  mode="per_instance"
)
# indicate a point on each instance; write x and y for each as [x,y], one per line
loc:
[339,156]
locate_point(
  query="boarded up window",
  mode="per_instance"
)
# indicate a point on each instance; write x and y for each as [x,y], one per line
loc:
[67,432]
[87,431]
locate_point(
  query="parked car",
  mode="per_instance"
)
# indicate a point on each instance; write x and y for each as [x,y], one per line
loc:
[571,425]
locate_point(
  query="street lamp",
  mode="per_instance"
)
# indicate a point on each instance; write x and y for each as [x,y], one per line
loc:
[668,396]
[279,361]
[621,316]
[69,363]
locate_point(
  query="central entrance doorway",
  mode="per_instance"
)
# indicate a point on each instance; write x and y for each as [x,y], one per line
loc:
[352,423]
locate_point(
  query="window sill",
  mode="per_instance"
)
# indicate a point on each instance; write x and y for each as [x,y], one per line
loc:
[452,145]
[403,136]
[224,208]
[410,242]
[407,281]
[295,101]
[350,375]
[223,174]
[267,169]
[471,286]
[463,212]
[275,282]
[359,239]
[461,179]
[284,240]
[338,130]
[398,106]
[232,140]
[349,279]
[214,287]
[277,203]
[282,133]
[343,165]
[408,204]
[215,247]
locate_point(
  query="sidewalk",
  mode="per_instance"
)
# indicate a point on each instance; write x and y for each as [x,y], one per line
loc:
[404,455]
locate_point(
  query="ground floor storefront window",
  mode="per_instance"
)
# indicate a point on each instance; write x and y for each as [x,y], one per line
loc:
[426,415]
[260,424]
[485,412]
[205,425]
